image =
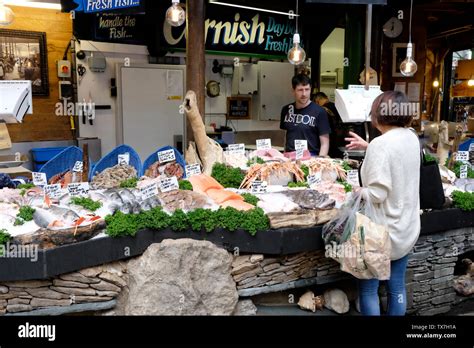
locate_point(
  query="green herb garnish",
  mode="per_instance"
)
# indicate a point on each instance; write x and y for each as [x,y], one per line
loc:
[129,183]
[463,200]
[185,185]
[86,203]
[227,176]
[250,199]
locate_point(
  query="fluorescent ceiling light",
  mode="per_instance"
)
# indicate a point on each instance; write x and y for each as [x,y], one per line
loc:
[24,3]
[253,8]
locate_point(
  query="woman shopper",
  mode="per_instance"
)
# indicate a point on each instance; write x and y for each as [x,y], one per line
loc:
[390,177]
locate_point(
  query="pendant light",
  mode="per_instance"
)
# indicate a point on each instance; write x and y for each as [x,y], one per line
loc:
[296,55]
[408,67]
[175,15]
[6,15]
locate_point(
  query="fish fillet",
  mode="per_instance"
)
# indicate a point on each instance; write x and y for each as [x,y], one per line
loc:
[237,204]
[202,182]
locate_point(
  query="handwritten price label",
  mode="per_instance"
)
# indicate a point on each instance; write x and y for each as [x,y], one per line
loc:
[78,167]
[169,184]
[314,179]
[353,177]
[264,144]
[258,186]
[193,169]
[124,159]
[301,144]
[78,189]
[39,179]
[166,156]
[53,191]
[299,154]
[236,149]
[149,191]
[462,156]
[463,172]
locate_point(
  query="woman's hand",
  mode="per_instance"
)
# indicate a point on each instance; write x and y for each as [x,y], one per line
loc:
[356,142]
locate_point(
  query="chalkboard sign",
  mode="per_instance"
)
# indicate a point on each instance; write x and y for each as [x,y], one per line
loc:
[239,107]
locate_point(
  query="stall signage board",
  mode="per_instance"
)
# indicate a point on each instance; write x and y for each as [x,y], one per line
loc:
[169,184]
[193,169]
[39,179]
[258,186]
[91,6]
[462,156]
[236,149]
[78,189]
[78,167]
[463,172]
[124,28]
[149,191]
[353,177]
[264,144]
[239,107]
[53,191]
[314,179]
[166,156]
[124,159]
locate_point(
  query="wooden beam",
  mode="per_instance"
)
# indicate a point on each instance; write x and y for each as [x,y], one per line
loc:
[195,56]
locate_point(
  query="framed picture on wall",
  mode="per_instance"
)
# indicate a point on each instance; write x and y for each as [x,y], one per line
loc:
[23,56]
[399,53]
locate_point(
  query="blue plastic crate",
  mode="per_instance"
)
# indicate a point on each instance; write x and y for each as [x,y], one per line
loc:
[111,159]
[154,157]
[62,162]
[44,154]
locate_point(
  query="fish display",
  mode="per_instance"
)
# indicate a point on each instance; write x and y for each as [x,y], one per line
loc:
[66,178]
[169,169]
[55,217]
[310,199]
[112,177]
[185,200]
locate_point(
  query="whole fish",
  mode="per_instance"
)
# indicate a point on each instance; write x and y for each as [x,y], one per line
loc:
[55,216]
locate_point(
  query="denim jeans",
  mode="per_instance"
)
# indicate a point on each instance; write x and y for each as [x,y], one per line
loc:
[396,291]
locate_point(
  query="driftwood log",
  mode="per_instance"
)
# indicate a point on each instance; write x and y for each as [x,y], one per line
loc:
[209,151]
[48,239]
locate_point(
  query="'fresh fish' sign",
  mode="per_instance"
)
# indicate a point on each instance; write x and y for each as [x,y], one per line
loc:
[90,6]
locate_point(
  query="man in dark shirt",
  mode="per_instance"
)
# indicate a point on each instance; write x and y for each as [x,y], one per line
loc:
[304,120]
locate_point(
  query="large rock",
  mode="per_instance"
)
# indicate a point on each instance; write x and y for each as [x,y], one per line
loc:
[245,307]
[180,277]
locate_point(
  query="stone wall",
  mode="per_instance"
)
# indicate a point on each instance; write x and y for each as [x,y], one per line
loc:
[430,271]
[96,284]
[251,271]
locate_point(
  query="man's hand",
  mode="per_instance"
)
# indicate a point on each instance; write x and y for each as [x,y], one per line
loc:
[324,140]
[356,142]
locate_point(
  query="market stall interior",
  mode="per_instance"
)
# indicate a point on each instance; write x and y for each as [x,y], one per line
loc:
[127,125]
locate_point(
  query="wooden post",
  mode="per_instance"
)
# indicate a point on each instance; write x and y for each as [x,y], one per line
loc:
[195,57]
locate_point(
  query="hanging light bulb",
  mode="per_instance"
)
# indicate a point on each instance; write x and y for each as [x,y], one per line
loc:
[436,83]
[470,82]
[408,67]
[6,15]
[175,15]
[296,55]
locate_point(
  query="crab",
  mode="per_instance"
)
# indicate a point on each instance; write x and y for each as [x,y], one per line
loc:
[264,171]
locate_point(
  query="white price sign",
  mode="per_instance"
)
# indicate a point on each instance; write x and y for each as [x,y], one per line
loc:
[149,191]
[463,172]
[166,156]
[124,159]
[299,154]
[39,179]
[353,177]
[53,191]
[471,147]
[78,189]
[78,167]
[193,169]
[314,179]
[462,156]
[236,149]
[169,184]
[301,144]
[264,144]
[258,186]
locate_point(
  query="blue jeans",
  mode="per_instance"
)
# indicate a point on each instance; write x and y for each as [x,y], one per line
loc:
[396,291]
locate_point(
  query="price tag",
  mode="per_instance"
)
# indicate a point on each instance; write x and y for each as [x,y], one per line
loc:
[53,191]
[353,177]
[471,147]
[169,184]
[299,154]
[193,169]
[78,189]
[301,144]
[236,149]
[463,172]
[258,186]
[166,156]
[264,144]
[149,191]
[462,156]
[124,159]
[39,179]
[78,167]
[314,179]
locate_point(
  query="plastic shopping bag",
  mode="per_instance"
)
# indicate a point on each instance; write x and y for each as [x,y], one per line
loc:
[359,240]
